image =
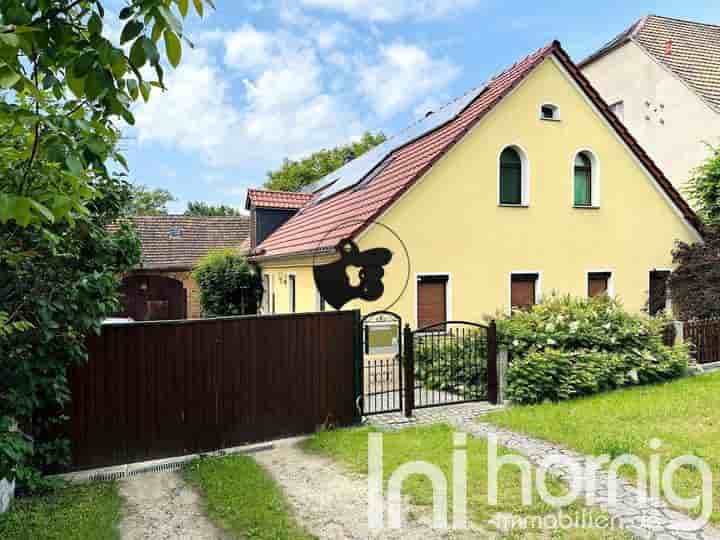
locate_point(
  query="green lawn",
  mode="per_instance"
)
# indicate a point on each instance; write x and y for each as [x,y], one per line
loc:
[434,445]
[684,415]
[80,512]
[243,500]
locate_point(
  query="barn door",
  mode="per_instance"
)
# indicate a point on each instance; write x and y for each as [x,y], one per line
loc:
[153,298]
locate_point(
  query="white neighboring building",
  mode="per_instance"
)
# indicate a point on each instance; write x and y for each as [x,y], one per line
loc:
[661,77]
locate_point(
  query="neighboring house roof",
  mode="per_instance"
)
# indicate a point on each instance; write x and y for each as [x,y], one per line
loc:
[264,198]
[318,226]
[691,50]
[178,242]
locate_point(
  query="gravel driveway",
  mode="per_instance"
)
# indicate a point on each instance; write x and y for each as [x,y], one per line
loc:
[332,503]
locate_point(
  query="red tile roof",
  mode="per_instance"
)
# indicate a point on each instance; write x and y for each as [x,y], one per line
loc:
[263,198]
[320,226]
[178,242]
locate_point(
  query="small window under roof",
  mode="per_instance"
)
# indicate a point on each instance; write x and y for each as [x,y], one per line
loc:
[548,111]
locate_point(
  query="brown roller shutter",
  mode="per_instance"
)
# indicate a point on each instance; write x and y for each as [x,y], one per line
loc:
[522,290]
[598,283]
[431,301]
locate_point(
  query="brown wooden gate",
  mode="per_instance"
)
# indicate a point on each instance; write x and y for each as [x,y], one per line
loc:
[162,389]
[153,298]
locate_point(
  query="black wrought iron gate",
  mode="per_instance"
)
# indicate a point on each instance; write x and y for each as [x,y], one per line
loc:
[450,362]
[382,362]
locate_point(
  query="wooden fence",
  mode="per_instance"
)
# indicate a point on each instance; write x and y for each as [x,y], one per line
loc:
[705,339]
[162,389]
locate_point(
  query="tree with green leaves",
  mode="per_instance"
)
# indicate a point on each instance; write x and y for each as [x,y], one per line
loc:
[145,201]
[703,188]
[198,208]
[295,175]
[229,285]
[63,88]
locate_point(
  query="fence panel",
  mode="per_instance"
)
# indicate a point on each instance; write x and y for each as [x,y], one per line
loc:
[704,336]
[163,389]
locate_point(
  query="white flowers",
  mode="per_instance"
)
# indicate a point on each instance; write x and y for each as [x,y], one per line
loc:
[633,374]
[574,326]
[515,343]
[551,341]
[606,326]
[550,327]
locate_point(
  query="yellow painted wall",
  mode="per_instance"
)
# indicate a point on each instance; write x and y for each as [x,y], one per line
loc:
[451,221]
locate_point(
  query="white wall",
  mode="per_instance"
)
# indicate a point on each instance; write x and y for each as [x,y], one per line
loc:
[633,76]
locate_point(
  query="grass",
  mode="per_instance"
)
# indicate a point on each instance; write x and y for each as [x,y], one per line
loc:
[242,499]
[684,415]
[82,512]
[434,445]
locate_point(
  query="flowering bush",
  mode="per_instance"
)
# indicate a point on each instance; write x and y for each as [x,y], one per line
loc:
[568,347]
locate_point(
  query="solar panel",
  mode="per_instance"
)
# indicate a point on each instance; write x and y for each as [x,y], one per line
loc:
[353,172]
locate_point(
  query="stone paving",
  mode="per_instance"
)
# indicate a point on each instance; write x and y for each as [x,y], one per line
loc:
[644,517]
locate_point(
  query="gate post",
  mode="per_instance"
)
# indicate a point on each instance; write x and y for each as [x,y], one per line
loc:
[492,363]
[358,361]
[409,366]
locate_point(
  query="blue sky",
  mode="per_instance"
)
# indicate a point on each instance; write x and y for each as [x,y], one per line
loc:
[275,78]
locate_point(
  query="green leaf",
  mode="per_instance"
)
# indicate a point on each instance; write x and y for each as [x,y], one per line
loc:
[74,164]
[126,13]
[183,7]
[82,65]
[11,40]
[128,117]
[97,83]
[76,84]
[131,31]
[199,7]
[157,30]
[8,77]
[170,19]
[43,210]
[20,210]
[132,87]
[151,52]
[118,64]
[173,48]
[137,54]
[95,24]
[145,91]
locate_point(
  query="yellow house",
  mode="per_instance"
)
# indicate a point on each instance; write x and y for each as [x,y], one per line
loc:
[524,186]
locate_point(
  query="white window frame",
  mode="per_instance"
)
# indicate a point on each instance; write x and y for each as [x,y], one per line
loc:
[524,176]
[611,280]
[292,293]
[538,286]
[595,178]
[448,294]
[269,292]
[556,111]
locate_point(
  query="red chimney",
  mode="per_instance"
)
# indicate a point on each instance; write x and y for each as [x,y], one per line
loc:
[668,47]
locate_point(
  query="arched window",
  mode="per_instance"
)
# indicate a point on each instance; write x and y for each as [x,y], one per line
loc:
[583,180]
[511,177]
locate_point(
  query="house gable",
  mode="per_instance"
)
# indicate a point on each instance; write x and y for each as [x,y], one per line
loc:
[451,221]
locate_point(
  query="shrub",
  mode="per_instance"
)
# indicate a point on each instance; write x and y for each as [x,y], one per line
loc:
[453,363]
[228,284]
[567,347]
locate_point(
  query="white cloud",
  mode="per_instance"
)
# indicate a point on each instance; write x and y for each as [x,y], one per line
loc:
[403,75]
[393,10]
[248,48]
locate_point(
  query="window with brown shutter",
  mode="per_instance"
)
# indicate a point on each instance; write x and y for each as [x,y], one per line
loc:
[598,283]
[523,293]
[432,301]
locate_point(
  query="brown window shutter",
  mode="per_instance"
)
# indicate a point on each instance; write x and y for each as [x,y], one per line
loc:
[598,283]
[522,290]
[431,302]
[658,291]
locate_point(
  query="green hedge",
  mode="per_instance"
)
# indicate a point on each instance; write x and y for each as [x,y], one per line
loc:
[568,347]
[454,364]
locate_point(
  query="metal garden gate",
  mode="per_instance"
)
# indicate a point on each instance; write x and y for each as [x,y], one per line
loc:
[382,362]
[450,362]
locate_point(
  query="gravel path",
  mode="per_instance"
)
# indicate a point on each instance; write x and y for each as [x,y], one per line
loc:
[332,503]
[161,506]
